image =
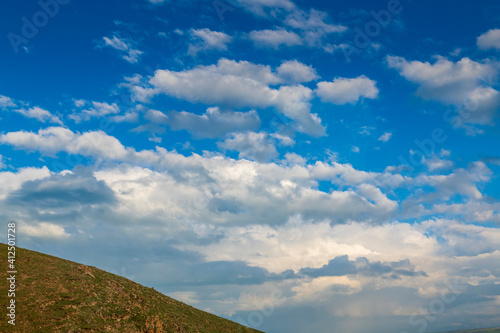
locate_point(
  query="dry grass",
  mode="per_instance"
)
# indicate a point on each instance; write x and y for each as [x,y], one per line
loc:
[56,295]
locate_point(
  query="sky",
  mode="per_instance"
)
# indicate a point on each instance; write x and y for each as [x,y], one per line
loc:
[292,165]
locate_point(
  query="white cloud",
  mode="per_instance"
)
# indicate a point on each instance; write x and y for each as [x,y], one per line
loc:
[131,55]
[347,90]
[156,117]
[214,122]
[355,149]
[129,117]
[460,181]
[283,140]
[293,158]
[275,38]
[293,188]
[55,139]
[435,163]
[215,85]
[314,20]
[6,102]
[208,40]
[310,28]
[366,130]
[294,102]
[79,103]
[454,83]
[139,89]
[40,114]
[116,43]
[43,230]
[259,7]
[232,84]
[489,40]
[296,72]
[304,243]
[98,110]
[313,25]
[36,112]
[385,137]
[251,145]
[12,181]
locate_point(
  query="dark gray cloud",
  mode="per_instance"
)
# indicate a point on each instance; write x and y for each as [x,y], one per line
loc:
[63,191]
[214,123]
[343,266]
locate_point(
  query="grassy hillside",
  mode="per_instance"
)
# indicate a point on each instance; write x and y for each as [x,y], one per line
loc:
[56,295]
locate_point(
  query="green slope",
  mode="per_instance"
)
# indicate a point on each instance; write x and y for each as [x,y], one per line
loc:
[56,295]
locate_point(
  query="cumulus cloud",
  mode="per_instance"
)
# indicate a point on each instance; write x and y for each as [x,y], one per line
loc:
[62,192]
[240,84]
[347,90]
[436,163]
[489,40]
[293,188]
[463,181]
[296,72]
[255,226]
[12,181]
[251,145]
[259,7]
[129,117]
[206,39]
[275,38]
[124,46]
[6,102]
[385,137]
[341,265]
[454,83]
[214,122]
[313,26]
[98,110]
[56,139]
[40,115]
[43,230]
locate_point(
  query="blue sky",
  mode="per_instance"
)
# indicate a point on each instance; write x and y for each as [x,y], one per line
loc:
[294,166]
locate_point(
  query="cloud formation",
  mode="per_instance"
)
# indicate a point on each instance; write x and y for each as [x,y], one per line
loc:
[240,84]
[130,54]
[489,40]
[346,90]
[206,39]
[466,84]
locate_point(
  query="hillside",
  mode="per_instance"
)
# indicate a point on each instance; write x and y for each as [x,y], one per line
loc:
[56,295]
